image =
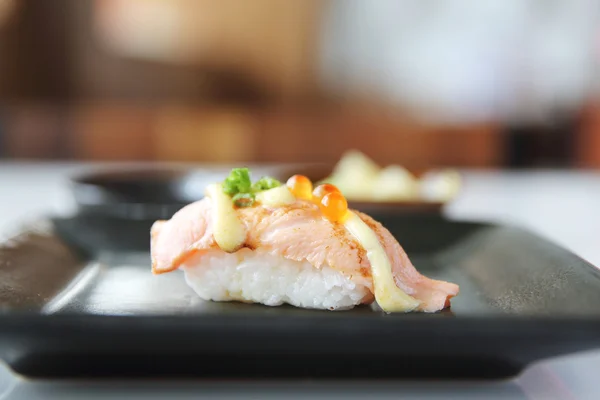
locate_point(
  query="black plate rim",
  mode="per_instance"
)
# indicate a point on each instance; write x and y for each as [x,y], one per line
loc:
[537,336]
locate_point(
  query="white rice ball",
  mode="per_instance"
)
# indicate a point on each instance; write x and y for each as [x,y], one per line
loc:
[258,277]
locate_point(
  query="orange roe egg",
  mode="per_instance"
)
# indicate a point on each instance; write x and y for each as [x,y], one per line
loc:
[321,190]
[300,186]
[334,206]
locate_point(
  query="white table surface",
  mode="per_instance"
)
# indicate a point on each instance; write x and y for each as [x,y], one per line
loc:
[561,206]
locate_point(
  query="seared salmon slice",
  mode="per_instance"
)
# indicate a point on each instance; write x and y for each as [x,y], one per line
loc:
[296,232]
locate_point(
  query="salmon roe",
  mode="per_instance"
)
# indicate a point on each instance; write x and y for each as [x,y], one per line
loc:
[300,186]
[321,190]
[334,206]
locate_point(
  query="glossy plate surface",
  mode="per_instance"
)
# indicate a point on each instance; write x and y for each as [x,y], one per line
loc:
[77,299]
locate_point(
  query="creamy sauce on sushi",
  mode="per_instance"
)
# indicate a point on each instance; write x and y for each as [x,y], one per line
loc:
[229,232]
[276,197]
[387,294]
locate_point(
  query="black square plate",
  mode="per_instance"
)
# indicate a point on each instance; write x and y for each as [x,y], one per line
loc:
[77,299]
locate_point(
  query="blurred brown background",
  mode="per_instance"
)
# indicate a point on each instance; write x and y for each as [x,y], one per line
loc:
[207,81]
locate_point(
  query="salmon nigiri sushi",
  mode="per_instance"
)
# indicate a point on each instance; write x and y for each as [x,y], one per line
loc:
[274,243]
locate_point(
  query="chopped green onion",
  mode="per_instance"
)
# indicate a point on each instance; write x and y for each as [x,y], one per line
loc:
[239,187]
[243,199]
[265,183]
[238,181]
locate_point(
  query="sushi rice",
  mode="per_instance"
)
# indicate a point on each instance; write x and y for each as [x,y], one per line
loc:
[259,277]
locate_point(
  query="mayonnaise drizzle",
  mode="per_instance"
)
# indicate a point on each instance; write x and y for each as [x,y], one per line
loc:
[229,232]
[276,197]
[387,294]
